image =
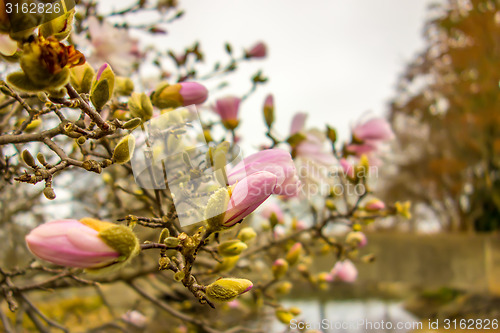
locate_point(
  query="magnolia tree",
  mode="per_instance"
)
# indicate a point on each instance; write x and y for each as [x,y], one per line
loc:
[171,241]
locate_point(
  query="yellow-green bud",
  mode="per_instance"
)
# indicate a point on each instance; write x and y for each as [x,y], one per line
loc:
[124,150]
[28,158]
[171,241]
[140,106]
[225,290]
[81,78]
[269,111]
[132,123]
[294,253]
[123,86]
[246,234]
[231,248]
[227,264]
[284,288]
[284,316]
[102,86]
[296,139]
[295,311]
[280,267]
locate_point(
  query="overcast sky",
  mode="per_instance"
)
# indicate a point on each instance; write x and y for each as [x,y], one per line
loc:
[336,59]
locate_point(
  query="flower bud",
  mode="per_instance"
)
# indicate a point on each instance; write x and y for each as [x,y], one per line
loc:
[41,158]
[88,243]
[81,78]
[294,253]
[331,134]
[102,86]
[246,234]
[356,238]
[284,288]
[374,205]
[227,108]
[124,150]
[140,106]
[269,110]
[280,267]
[344,271]
[49,193]
[180,94]
[225,290]
[171,241]
[325,277]
[132,123]
[227,264]
[231,248]
[59,27]
[295,310]
[259,50]
[28,158]
[284,316]
[135,318]
[123,86]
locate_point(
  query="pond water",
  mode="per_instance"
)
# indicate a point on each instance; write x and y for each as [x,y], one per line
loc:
[356,316]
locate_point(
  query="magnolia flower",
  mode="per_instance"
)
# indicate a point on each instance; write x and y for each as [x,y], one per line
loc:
[227,108]
[226,289]
[180,94]
[112,45]
[344,271]
[375,129]
[374,205]
[312,148]
[87,243]
[275,161]
[248,194]
[347,167]
[259,50]
[356,238]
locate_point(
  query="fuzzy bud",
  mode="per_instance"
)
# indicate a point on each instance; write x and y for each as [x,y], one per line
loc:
[140,106]
[132,123]
[49,193]
[294,254]
[280,267]
[102,86]
[284,316]
[374,205]
[124,150]
[356,238]
[225,290]
[28,158]
[269,110]
[123,86]
[231,248]
[284,288]
[81,78]
[246,234]
[180,94]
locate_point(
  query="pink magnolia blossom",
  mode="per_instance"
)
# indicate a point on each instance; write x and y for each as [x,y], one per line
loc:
[193,93]
[344,271]
[273,208]
[356,238]
[312,148]
[227,108]
[259,50]
[375,129]
[248,194]
[374,205]
[70,243]
[269,101]
[276,161]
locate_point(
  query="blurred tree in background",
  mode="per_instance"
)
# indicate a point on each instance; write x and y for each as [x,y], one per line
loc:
[446,118]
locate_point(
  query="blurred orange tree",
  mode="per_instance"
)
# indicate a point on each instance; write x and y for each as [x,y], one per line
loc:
[446,118]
